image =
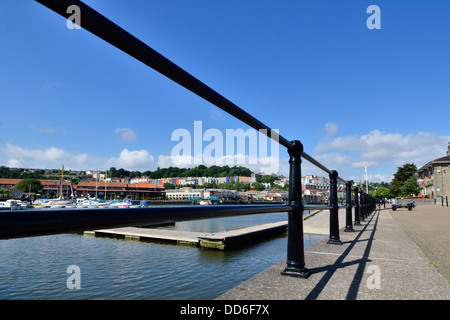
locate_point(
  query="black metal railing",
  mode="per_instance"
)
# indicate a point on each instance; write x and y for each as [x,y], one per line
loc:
[45,222]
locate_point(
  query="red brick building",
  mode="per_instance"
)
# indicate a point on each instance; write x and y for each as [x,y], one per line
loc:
[50,188]
[142,190]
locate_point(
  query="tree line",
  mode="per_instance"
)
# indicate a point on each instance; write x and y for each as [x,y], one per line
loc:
[174,172]
[171,172]
[19,173]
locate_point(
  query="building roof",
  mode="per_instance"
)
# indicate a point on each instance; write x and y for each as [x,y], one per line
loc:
[43,182]
[442,160]
[145,185]
[274,195]
[102,184]
[9,181]
[54,182]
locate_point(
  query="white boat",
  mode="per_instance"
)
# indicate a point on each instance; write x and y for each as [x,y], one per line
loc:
[23,205]
[87,203]
[126,203]
[10,205]
[42,203]
[204,202]
[61,203]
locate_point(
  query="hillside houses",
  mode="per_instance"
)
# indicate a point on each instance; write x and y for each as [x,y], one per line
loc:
[315,189]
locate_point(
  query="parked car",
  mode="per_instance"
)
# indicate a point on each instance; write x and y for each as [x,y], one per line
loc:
[409,205]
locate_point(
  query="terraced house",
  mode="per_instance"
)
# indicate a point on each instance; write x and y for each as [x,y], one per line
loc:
[434,177]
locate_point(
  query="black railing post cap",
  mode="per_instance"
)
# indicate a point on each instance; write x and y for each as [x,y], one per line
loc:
[297,147]
[334,174]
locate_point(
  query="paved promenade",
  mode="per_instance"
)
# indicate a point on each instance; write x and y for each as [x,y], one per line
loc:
[380,261]
[429,227]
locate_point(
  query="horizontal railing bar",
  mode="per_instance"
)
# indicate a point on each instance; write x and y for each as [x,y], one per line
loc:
[315,162]
[318,207]
[39,222]
[105,29]
[313,207]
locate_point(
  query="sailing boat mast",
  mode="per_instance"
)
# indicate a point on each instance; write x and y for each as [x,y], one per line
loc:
[106,177]
[61,183]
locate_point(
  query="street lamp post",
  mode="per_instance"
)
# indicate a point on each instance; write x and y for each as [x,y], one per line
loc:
[367,181]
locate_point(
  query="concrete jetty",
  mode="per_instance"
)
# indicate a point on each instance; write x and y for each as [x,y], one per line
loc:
[379,261]
[235,238]
[221,240]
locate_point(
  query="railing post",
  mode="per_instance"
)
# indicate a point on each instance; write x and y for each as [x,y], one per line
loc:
[369,209]
[361,207]
[348,210]
[295,263]
[357,207]
[334,211]
[372,204]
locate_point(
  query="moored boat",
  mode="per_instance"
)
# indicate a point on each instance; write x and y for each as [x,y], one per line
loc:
[10,205]
[126,203]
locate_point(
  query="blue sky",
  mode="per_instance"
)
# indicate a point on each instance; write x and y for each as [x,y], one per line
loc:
[355,97]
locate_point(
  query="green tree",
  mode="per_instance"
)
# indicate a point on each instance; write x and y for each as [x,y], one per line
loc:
[25,184]
[112,172]
[381,193]
[410,187]
[122,173]
[257,186]
[267,179]
[169,186]
[400,177]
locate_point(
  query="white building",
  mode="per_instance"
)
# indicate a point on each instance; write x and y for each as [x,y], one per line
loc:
[184,194]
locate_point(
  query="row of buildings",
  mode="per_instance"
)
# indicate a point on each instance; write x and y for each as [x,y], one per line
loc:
[140,190]
[92,189]
[434,177]
[223,194]
[147,190]
[196,181]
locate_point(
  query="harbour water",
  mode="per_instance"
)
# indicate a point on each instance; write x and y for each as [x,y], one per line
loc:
[36,268]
